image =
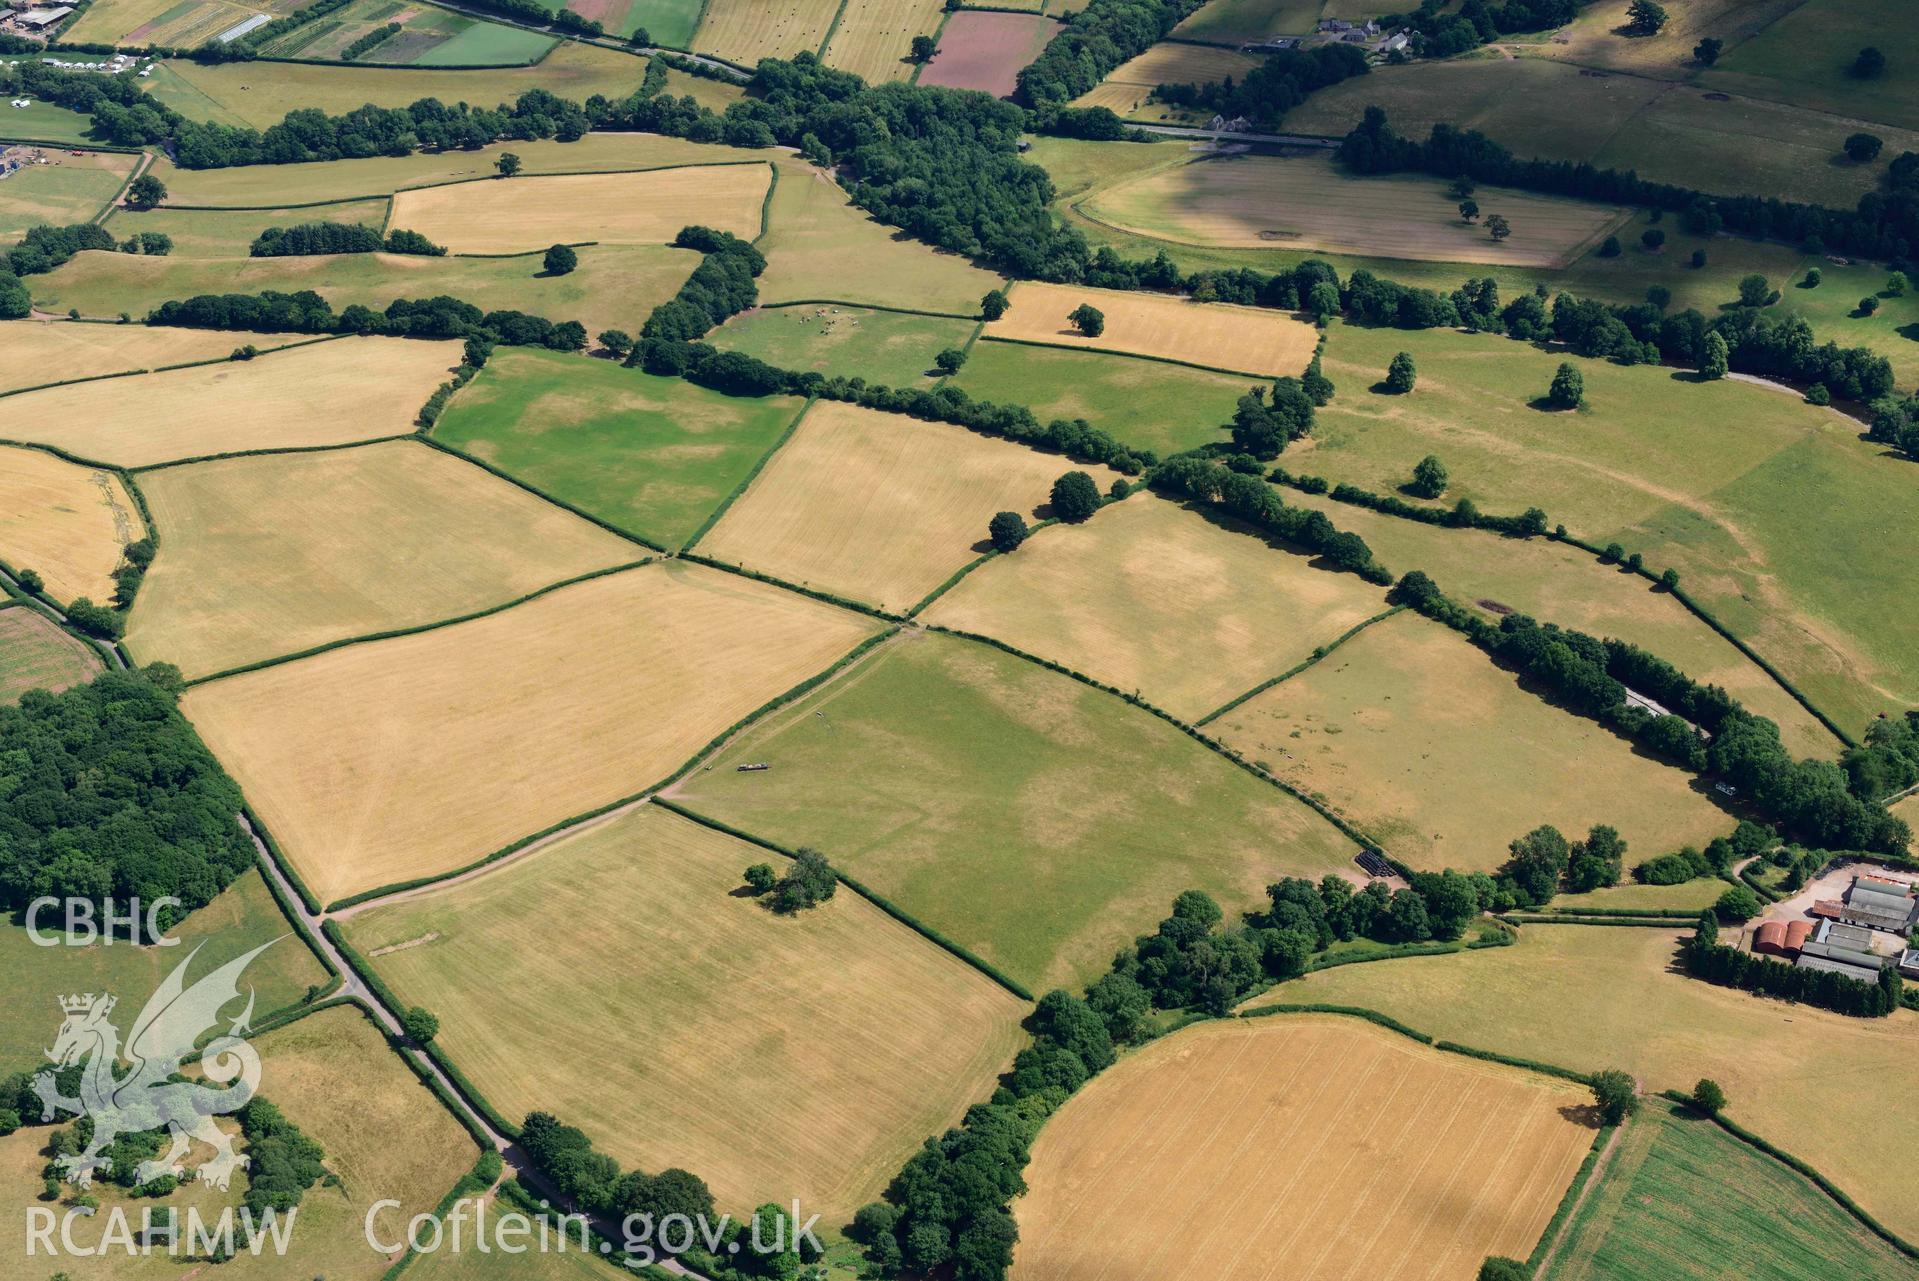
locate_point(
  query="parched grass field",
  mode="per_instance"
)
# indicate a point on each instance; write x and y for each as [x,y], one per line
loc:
[138,21]
[570,1264]
[878,507]
[326,393]
[1586,998]
[986,50]
[36,352]
[67,189]
[1040,823]
[524,214]
[66,522]
[1247,201]
[411,757]
[1416,738]
[776,1056]
[385,1138]
[228,233]
[1561,584]
[1645,1220]
[274,554]
[744,31]
[1128,86]
[1146,404]
[1149,597]
[1244,21]
[239,919]
[1709,478]
[874,37]
[1908,809]
[251,186]
[260,94]
[815,232]
[1666,130]
[612,286]
[895,348]
[36,654]
[1247,340]
[1310,1146]
[653,455]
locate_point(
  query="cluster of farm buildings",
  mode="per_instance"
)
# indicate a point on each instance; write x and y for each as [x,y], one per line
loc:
[1857,934]
[1369,34]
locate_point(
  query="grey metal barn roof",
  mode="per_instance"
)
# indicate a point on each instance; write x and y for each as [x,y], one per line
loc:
[1845,955]
[1806,962]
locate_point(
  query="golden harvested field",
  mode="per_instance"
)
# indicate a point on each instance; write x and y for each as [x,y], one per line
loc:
[35,352]
[1315,1147]
[1128,85]
[1136,595]
[874,37]
[1415,737]
[815,232]
[879,507]
[66,522]
[1306,202]
[1245,340]
[271,555]
[1561,584]
[327,393]
[776,1056]
[1812,1082]
[36,654]
[412,757]
[744,31]
[522,214]
[385,1137]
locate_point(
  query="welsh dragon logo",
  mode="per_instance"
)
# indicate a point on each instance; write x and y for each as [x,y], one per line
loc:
[163,1036]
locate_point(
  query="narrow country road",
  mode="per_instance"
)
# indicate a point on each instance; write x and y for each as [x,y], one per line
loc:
[1280,139]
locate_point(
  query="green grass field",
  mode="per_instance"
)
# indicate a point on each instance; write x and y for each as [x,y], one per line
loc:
[1146,403]
[1647,1220]
[44,122]
[240,919]
[879,346]
[427,37]
[1806,56]
[669,22]
[614,287]
[653,455]
[224,233]
[71,189]
[1038,822]
[1238,21]
[1710,479]
[482,43]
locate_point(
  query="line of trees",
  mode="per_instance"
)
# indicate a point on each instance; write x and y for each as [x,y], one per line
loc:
[1705,957]
[305,312]
[370,41]
[721,287]
[1704,729]
[339,238]
[1093,42]
[1243,494]
[1438,33]
[1284,80]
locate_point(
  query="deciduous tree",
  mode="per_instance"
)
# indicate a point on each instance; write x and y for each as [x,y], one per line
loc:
[1088,319]
[1007,530]
[1075,496]
[1568,390]
[1401,374]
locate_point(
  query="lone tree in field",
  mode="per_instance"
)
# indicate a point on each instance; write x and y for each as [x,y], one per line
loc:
[1713,364]
[994,304]
[1708,1097]
[507,165]
[1429,477]
[760,878]
[617,342]
[949,360]
[1652,238]
[1088,319]
[1468,209]
[1754,290]
[1869,63]
[419,1025]
[1645,17]
[808,883]
[560,260]
[1401,374]
[1497,227]
[1568,390]
[1896,285]
[1075,496]
[1868,304]
[1706,52]
[924,47]
[1007,531]
[145,192]
[1616,1095]
[1864,147]
[1499,1268]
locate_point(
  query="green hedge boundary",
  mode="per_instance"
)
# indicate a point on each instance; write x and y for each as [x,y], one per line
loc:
[156,369]
[264,453]
[1574,1190]
[1819,1180]
[779,442]
[426,437]
[298,922]
[280,860]
[1129,355]
[397,632]
[1298,667]
[953,580]
[1643,922]
[1351,1011]
[866,892]
[466,1185]
[828,598]
[870,306]
[772,185]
